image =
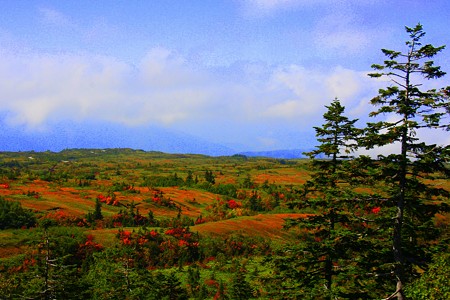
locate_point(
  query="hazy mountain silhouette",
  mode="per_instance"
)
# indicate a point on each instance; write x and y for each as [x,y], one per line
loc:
[286,154]
[68,135]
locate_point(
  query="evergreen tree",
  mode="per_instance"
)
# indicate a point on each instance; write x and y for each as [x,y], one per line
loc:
[248,182]
[189,178]
[324,261]
[209,177]
[410,111]
[193,281]
[170,287]
[55,272]
[239,286]
[334,235]
[12,215]
[98,210]
[433,285]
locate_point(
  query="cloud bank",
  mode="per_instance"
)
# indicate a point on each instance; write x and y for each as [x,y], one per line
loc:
[164,89]
[256,107]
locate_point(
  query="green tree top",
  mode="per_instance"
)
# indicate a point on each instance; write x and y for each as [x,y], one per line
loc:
[408,109]
[338,139]
[415,108]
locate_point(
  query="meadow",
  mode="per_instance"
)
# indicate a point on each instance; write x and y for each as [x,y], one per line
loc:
[131,224]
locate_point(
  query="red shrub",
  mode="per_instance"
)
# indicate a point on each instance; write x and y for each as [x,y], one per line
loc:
[232,204]
[376,210]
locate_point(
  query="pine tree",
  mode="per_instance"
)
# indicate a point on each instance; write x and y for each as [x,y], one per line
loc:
[54,274]
[189,178]
[328,256]
[239,287]
[98,210]
[171,287]
[193,280]
[12,215]
[209,177]
[410,111]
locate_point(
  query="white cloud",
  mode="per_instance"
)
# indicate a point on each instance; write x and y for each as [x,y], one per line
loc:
[163,88]
[167,89]
[163,68]
[310,90]
[286,109]
[342,32]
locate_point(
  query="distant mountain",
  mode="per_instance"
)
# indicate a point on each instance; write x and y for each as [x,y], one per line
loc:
[282,154]
[67,135]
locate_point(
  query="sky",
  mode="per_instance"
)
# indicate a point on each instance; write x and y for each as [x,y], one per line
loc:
[250,75]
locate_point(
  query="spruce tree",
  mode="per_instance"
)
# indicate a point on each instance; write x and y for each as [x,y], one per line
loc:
[326,257]
[98,210]
[240,288]
[55,272]
[409,111]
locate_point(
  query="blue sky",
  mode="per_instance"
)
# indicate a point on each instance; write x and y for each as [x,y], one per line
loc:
[247,74]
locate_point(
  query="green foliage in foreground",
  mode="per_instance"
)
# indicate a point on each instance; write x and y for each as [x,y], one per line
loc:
[12,215]
[433,284]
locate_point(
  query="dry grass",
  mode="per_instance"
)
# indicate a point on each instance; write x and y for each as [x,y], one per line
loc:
[283,176]
[268,226]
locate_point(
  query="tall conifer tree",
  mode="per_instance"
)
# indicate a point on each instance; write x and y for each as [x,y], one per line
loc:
[409,111]
[328,257]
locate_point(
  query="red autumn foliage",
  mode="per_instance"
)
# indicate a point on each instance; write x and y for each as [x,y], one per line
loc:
[208,259]
[182,243]
[376,210]
[180,233]
[167,245]
[90,245]
[142,240]
[160,200]
[236,245]
[200,220]
[27,262]
[108,200]
[232,204]
[211,282]
[65,219]
[4,186]
[125,237]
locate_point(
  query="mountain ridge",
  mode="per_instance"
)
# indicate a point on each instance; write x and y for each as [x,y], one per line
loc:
[280,153]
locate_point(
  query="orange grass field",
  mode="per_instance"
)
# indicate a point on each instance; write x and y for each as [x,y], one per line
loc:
[264,225]
[70,199]
[114,166]
[78,202]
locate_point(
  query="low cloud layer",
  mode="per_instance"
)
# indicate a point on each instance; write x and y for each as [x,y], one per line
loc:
[258,107]
[164,89]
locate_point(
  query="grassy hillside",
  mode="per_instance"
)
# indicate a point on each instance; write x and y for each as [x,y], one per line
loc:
[66,185]
[121,218]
